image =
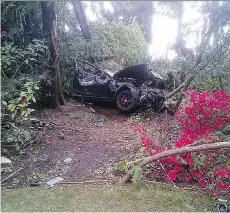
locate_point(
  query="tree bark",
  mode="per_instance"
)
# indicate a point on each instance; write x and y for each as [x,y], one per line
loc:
[228,84]
[82,19]
[179,29]
[188,82]
[50,33]
[178,151]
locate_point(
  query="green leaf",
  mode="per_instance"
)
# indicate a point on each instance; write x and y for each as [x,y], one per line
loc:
[23,94]
[13,108]
[27,113]
[28,98]
[13,115]
[27,61]
[23,113]
[19,99]
[21,105]
[4,103]
[33,99]
[10,106]
[36,87]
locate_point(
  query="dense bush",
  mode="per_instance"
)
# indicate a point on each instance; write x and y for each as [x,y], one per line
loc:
[14,133]
[16,60]
[201,116]
[25,86]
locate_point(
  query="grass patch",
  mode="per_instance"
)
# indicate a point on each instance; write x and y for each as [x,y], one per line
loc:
[104,198]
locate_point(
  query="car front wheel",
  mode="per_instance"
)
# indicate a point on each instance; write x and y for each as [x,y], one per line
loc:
[125,101]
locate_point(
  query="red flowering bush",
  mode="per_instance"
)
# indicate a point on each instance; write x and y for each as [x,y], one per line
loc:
[200,116]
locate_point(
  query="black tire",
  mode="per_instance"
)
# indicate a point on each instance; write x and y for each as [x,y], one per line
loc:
[126,101]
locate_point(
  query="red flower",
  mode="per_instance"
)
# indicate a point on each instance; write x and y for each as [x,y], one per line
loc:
[222,173]
[171,175]
[220,185]
[23,101]
[201,182]
[178,168]
[48,141]
[187,178]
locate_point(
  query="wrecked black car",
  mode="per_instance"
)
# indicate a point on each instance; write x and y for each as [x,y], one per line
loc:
[131,88]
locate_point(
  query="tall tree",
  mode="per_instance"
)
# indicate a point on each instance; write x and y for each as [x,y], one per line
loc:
[50,33]
[228,83]
[82,19]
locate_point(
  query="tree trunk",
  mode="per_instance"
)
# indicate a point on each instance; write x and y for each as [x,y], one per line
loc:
[178,151]
[50,33]
[82,19]
[228,83]
[179,29]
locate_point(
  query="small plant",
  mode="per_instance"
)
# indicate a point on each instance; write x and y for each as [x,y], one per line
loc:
[19,107]
[123,166]
[137,176]
[14,133]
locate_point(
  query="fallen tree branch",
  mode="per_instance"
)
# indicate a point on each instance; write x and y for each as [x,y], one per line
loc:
[178,151]
[176,90]
[86,62]
[11,175]
[190,79]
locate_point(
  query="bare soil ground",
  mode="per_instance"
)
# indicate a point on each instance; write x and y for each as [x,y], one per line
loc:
[94,141]
[94,137]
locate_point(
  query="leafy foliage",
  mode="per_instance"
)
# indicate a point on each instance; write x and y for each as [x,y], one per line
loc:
[14,108]
[29,60]
[201,115]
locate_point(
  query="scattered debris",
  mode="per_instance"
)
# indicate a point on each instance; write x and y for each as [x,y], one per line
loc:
[61,135]
[92,109]
[43,158]
[35,183]
[54,181]
[50,125]
[5,160]
[68,160]
[34,123]
[11,175]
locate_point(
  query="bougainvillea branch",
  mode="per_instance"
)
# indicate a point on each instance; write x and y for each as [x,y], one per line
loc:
[150,159]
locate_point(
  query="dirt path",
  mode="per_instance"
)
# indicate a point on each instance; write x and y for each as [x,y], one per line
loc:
[94,141]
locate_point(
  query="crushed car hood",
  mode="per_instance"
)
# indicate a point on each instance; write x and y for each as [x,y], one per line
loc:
[139,72]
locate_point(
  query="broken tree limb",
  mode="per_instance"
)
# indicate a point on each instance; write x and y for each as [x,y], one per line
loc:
[86,62]
[178,151]
[176,90]
[188,82]
[184,85]
[11,175]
